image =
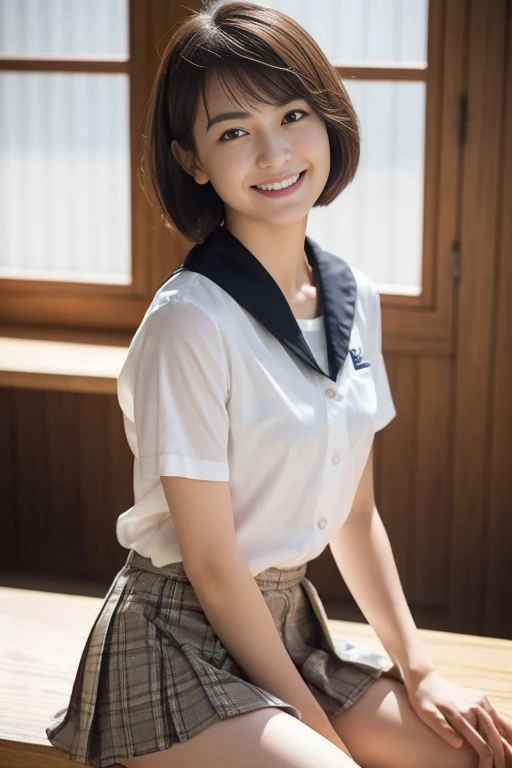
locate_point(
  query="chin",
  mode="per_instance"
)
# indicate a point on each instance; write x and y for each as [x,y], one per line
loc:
[291,216]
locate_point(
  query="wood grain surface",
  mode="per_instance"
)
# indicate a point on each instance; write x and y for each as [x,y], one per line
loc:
[43,634]
[60,365]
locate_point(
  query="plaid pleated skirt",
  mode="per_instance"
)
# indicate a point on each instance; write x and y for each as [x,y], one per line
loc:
[153,672]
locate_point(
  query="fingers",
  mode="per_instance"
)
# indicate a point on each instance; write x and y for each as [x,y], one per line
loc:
[440,725]
[508,752]
[492,736]
[504,727]
[471,735]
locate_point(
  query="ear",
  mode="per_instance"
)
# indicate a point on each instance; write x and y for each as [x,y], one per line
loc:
[188,162]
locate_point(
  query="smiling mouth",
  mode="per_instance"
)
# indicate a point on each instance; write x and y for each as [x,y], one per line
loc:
[256,186]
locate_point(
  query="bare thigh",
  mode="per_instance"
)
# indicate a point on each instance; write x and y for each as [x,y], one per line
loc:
[382,730]
[263,738]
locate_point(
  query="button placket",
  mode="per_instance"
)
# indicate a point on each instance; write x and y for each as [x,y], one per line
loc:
[336,436]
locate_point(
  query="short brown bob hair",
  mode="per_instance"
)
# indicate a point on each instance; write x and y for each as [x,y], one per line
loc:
[268,57]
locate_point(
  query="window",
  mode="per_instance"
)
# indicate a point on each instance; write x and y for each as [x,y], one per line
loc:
[65,139]
[74,222]
[379,48]
[80,246]
[65,159]
[401,62]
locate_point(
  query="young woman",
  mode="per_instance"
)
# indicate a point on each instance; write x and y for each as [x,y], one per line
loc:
[251,395]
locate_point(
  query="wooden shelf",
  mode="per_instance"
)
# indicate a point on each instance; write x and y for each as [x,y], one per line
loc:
[60,365]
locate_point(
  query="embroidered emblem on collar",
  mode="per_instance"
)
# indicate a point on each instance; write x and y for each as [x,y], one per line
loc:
[357,358]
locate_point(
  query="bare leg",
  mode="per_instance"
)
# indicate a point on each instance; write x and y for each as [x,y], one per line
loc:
[264,738]
[382,730]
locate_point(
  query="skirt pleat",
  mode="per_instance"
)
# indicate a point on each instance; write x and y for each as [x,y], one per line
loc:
[153,673]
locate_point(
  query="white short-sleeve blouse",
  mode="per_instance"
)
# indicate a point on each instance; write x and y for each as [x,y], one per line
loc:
[222,382]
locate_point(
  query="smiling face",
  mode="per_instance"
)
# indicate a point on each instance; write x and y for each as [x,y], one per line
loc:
[264,144]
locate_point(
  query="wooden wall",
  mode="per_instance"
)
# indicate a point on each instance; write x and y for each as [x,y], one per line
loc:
[66,474]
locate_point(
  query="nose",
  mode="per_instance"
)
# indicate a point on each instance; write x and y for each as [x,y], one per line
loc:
[273,151]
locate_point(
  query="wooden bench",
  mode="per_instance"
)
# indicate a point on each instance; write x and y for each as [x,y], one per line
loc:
[42,635]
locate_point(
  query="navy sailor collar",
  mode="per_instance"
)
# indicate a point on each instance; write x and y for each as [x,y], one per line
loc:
[224,259]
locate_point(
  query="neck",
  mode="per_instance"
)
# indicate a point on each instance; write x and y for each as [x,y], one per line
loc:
[279,248]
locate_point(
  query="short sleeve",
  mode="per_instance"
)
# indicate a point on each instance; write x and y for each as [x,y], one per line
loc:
[386,411]
[180,390]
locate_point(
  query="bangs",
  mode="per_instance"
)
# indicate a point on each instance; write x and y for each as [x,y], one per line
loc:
[248,83]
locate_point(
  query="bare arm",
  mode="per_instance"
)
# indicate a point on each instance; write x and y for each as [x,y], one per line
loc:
[376,587]
[230,596]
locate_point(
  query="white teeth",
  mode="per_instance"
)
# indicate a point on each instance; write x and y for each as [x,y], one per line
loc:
[280,184]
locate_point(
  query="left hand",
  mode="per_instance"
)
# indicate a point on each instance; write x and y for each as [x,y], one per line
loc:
[453,711]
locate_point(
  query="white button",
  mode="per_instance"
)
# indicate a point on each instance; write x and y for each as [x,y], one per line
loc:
[330,393]
[336,459]
[322,522]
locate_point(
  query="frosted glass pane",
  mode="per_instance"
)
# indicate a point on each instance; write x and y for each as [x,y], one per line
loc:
[376,224]
[64,27]
[65,176]
[369,31]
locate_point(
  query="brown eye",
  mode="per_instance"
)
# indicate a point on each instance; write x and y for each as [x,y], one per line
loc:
[230,130]
[294,112]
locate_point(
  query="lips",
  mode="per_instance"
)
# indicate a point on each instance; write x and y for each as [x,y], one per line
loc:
[265,183]
[277,194]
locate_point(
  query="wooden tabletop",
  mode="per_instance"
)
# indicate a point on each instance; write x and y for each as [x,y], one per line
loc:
[43,634]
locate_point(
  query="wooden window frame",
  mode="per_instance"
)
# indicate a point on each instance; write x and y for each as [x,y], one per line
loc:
[52,307]
[423,325]
[412,324]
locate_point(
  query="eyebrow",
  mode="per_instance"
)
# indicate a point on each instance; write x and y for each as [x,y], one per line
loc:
[227,116]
